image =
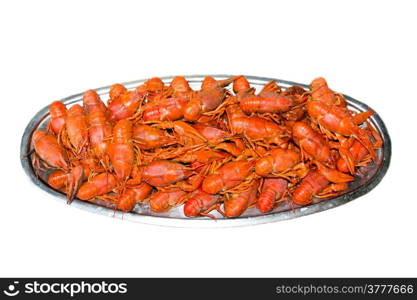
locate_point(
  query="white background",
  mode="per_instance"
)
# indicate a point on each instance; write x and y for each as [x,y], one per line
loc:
[51,49]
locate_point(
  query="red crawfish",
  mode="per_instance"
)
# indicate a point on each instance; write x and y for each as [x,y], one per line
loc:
[320,91]
[162,173]
[92,102]
[203,155]
[279,162]
[269,102]
[148,137]
[270,87]
[211,133]
[233,146]
[76,129]
[181,88]
[298,111]
[256,128]
[315,184]
[317,180]
[236,203]
[359,155]
[273,191]
[203,101]
[58,113]
[269,99]
[163,201]
[125,106]
[133,195]
[99,185]
[100,129]
[47,149]
[228,176]
[241,85]
[121,150]
[62,180]
[208,99]
[334,120]
[67,182]
[201,204]
[184,132]
[152,90]
[116,91]
[312,144]
[167,109]
[152,85]
[58,180]
[46,146]
[209,83]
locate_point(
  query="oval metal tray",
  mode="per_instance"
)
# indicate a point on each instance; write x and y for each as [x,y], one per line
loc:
[372,174]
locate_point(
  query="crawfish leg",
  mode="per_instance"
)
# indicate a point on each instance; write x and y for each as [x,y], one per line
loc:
[195,181]
[216,206]
[332,190]
[75,179]
[362,117]
[38,164]
[346,154]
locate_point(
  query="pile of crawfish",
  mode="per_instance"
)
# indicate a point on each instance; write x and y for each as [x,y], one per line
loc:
[209,149]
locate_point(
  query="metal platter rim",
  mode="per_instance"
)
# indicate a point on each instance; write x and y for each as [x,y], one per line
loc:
[203,222]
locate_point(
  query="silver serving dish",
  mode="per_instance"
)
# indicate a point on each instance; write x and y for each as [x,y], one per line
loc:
[372,174]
